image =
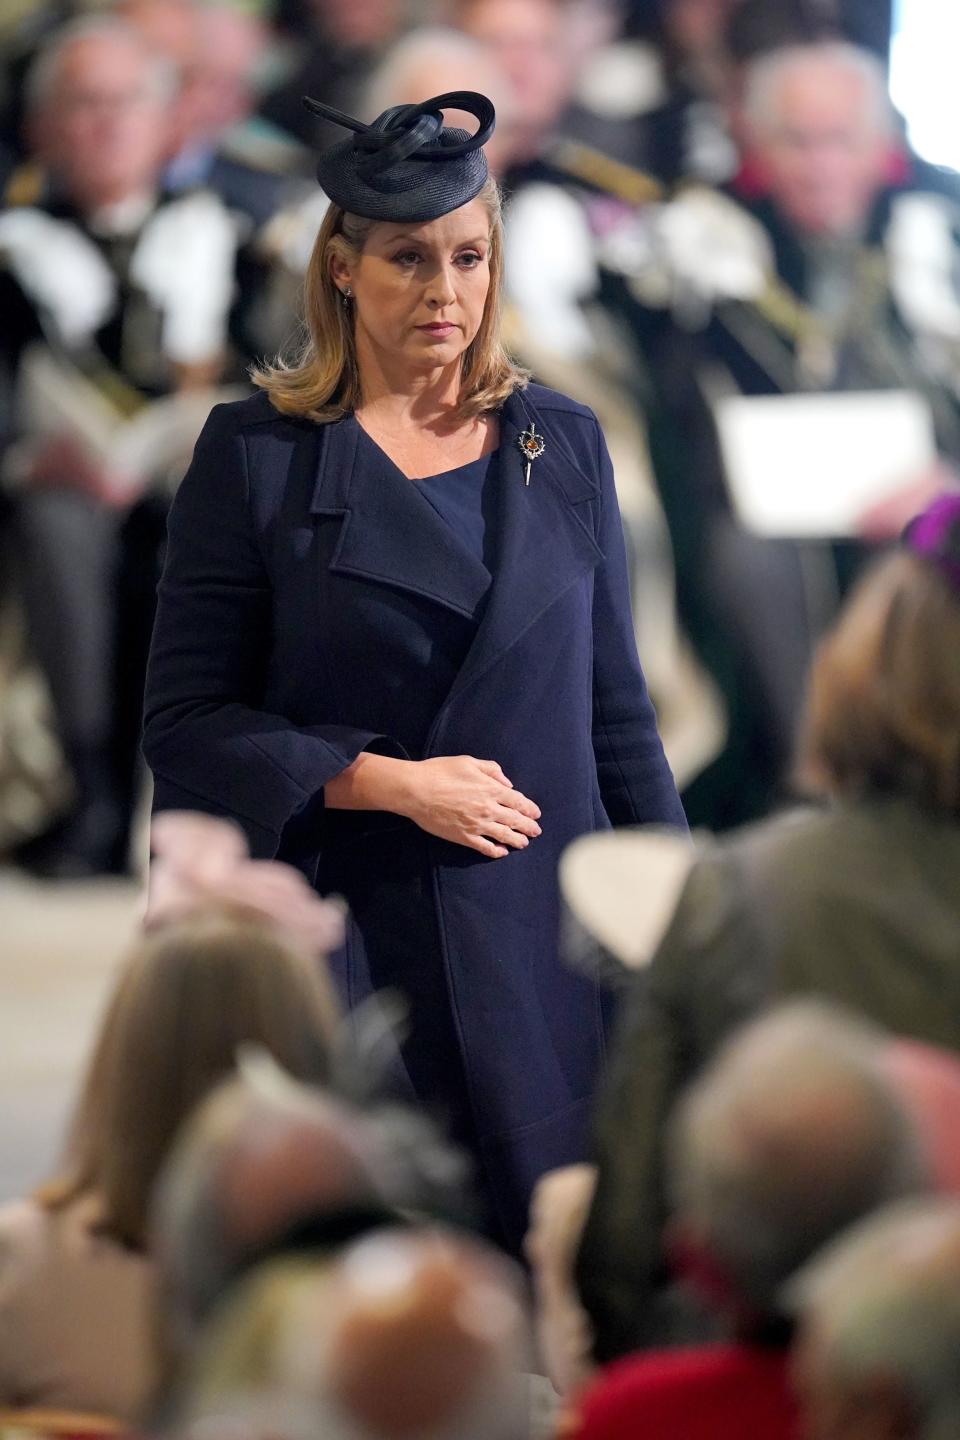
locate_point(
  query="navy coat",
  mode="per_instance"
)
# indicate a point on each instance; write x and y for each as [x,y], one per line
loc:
[313,605]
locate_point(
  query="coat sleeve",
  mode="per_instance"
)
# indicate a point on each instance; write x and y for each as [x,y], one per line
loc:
[708,977]
[207,738]
[636,784]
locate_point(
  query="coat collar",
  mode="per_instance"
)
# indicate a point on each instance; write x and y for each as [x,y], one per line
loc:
[545,536]
[393,536]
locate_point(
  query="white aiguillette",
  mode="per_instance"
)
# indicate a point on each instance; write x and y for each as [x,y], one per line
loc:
[810,466]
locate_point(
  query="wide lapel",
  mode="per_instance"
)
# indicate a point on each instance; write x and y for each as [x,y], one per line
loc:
[391,535]
[545,537]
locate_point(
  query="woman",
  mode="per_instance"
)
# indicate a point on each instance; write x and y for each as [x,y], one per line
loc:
[858,901]
[394,642]
[76,1289]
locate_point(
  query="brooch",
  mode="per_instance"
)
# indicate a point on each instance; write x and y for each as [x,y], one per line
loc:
[532,446]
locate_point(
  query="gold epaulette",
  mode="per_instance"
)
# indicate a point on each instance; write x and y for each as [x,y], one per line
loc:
[25,185]
[582,162]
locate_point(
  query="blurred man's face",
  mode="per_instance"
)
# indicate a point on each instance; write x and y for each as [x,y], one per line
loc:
[217,83]
[527,40]
[698,26]
[824,150]
[359,23]
[104,131]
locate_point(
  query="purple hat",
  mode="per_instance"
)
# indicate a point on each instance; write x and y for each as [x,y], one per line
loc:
[935,534]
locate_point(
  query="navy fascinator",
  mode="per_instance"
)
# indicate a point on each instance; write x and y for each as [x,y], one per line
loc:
[406,165]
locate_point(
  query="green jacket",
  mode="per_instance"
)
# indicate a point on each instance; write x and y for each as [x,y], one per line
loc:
[859,904]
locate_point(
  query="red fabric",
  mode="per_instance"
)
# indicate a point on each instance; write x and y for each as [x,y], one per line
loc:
[724,1392]
[751,182]
[928,1082]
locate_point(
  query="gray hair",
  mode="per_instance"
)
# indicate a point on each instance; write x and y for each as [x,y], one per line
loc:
[43,76]
[766,74]
[884,1304]
[791,1133]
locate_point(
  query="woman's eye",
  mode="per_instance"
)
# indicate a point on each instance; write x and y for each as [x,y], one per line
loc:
[407,257]
[469,260]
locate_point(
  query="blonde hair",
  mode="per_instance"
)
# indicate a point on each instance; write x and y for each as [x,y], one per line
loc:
[322,383]
[884,709]
[188,996]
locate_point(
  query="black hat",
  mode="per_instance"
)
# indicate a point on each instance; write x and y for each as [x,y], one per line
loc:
[405,165]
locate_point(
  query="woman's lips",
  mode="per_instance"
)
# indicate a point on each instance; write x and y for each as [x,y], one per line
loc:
[439,328]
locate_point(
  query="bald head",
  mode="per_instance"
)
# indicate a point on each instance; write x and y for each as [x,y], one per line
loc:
[793,1132]
[252,1166]
[406,1335]
[418,1333]
[278,1171]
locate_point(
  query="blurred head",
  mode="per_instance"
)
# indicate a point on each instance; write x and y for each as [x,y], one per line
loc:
[697,27]
[880,1329]
[188,997]
[529,40]
[431,60]
[793,1132]
[819,123]
[169,27]
[218,85]
[409,1335]
[261,1160]
[404,279]
[884,707]
[360,24]
[99,102]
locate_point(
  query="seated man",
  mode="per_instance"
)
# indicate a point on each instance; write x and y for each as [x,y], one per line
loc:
[113,295]
[826,267]
[792,1133]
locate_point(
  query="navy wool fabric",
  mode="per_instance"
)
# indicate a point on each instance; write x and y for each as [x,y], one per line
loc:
[466,499]
[314,605]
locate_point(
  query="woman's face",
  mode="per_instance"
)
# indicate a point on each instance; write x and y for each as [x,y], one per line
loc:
[419,291]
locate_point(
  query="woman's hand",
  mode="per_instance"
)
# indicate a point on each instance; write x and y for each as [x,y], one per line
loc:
[455,797]
[470,802]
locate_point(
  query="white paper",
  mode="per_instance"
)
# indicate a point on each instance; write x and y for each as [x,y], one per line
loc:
[810,466]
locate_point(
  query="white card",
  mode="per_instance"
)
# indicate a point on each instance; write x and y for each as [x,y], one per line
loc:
[810,466]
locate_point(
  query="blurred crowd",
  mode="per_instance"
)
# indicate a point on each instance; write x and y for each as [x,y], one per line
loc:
[247,1234]
[705,198]
[246,1237]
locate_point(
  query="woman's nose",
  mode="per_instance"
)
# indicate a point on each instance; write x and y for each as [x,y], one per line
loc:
[441,291]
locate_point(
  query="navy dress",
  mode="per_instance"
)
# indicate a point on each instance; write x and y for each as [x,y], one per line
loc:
[317,603]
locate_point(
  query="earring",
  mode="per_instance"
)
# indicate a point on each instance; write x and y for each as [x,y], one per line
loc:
[347,294]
